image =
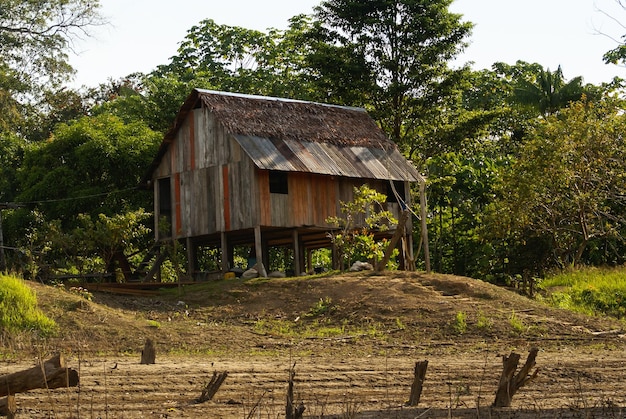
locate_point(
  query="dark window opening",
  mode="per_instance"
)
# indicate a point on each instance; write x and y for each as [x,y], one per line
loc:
[279,182]
[399,189]
[165,207]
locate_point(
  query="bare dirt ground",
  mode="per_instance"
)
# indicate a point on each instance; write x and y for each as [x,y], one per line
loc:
[352,339]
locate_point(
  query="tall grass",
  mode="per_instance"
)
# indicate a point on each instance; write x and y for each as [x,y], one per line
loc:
[18,308]
[597,291]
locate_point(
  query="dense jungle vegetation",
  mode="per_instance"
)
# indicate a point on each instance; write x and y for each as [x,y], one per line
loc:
[526,168]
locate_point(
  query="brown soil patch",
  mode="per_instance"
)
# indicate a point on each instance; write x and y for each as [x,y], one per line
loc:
[353,339]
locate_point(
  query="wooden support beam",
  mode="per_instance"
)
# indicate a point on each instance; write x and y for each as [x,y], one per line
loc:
[226,254]
[297,267]
[423,212]
[192,256]
[258,247]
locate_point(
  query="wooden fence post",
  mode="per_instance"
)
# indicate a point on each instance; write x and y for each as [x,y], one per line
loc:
[419,375]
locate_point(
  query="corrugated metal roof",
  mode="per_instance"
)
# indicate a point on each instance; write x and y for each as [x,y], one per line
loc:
[327,159]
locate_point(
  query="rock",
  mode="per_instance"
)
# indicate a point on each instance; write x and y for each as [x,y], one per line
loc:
[361,266]
[277,274]
[249,274]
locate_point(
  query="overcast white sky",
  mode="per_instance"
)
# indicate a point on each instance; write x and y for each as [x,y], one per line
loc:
[145,33]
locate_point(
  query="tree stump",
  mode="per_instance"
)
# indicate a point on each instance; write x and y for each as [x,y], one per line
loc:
[509,382]
[419,375]
[148,355]
[211,388]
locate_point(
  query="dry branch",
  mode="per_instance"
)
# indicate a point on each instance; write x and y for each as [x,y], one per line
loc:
[50,374]
[419,375]
[509,382]
[290,411]
[212,387]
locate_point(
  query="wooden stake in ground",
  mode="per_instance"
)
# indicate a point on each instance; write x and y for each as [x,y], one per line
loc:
[211,388]
[509,382]
[419,375]
[290,411]
[8,407]
[148,355]
[53,373]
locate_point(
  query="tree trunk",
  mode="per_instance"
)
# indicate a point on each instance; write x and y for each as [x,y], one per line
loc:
[418,382]
[509,382]
[394,240]
[53,373]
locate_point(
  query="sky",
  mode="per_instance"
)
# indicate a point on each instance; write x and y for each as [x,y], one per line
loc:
[574,34]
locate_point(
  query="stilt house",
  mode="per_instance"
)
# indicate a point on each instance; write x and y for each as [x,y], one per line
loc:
[267,172]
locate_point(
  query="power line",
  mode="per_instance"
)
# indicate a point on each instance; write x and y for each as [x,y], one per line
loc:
[48,201]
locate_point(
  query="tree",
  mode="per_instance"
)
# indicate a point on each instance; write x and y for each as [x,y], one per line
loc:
[398,52]
[361,217]
[35,35]
[567,184]
[237,59]
[91,165]
[547,92]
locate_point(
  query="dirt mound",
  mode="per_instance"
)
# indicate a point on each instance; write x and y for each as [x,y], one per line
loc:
[353,340]
[365,312]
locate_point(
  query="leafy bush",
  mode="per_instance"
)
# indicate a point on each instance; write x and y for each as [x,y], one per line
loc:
[18,308]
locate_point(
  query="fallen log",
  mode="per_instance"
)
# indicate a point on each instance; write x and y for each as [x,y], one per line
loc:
[509,382]
[50,374]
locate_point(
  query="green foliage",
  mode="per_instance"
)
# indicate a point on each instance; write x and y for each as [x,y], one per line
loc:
[364,214]
[323,306]
[460,322]
[567,184]
[600,291]
[237,59]
[18,309]
[395,56]
[517,325]
[92,165]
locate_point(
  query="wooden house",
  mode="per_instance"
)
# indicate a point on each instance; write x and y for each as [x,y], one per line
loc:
[267,172]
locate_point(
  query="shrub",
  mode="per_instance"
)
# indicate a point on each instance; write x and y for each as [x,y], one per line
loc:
[18,308]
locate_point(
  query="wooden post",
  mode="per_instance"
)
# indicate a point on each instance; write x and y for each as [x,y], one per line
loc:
[419,374]
[297,267]
[192,257]
[259,251]
[225,253]
[424,226]
[148,355]
[8,407]
[509,382]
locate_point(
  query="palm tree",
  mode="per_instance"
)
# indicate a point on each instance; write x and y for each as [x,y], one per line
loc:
[547,91]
